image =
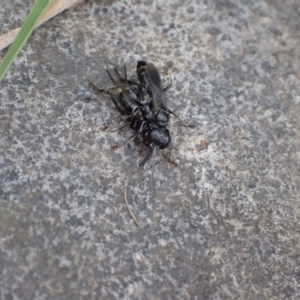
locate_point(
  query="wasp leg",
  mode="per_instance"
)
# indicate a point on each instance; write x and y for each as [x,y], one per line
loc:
[124,79]
[133,86]
[168,86]
[120,102]
[150,153]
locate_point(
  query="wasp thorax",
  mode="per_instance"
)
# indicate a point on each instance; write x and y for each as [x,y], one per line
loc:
[162,118]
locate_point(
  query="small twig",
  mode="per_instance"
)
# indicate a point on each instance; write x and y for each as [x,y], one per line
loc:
[127,205]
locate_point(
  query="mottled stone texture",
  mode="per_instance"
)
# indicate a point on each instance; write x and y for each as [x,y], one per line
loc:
[223,224]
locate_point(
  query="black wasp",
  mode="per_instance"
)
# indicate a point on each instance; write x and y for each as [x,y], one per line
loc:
[144,106]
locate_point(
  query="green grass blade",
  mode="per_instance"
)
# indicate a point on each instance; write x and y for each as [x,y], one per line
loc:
[37,10]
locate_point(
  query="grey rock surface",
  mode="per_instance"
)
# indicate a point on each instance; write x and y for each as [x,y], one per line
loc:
[222,224]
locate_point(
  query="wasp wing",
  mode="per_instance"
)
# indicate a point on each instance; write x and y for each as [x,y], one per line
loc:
[158,97]
[149,78]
